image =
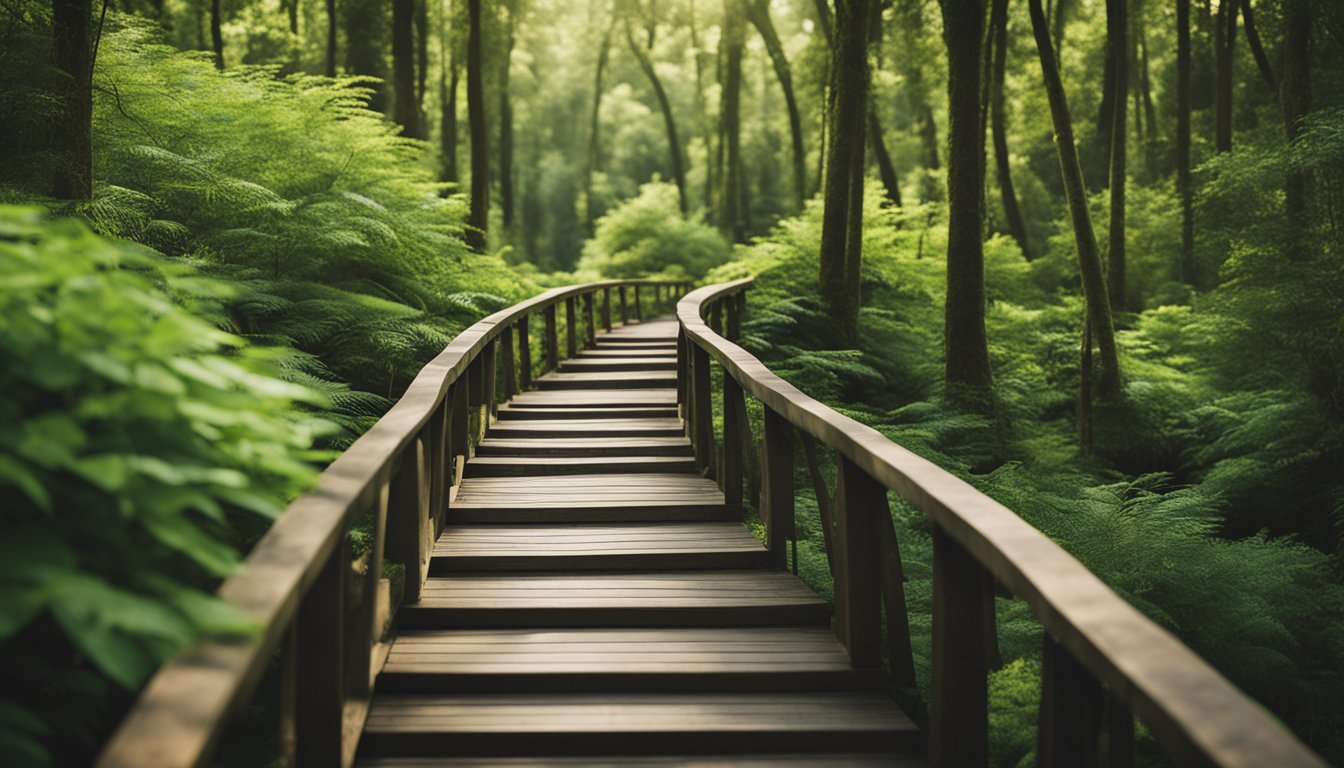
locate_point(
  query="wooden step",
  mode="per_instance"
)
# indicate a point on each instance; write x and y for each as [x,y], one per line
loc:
[585,447]
[596,353]
[595,398]
[598,498]
[594,412]
[603,381]
[664,546]
[738,659]
[618,364]
[832,760]
[512,429]
[617,724]
[516,466]
[653,599]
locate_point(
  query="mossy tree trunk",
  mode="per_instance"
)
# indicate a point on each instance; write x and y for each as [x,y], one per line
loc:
[1085,240]
[966,368]
[478,219]
[72,138]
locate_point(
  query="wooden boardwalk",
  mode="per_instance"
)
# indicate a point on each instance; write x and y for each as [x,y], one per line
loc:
[593,601]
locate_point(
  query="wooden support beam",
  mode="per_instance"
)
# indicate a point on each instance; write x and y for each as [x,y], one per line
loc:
[319,671]
[552,340]
[777,486]
[958,714]
[524,355]
[703,407]
[606,308]
[1069,724]
[858,563]
[510,372]
[571,320]
[625,311]
[734,440]
[591,327]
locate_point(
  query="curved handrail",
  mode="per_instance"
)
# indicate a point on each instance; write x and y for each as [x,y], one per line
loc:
[1197,715]
[184,708]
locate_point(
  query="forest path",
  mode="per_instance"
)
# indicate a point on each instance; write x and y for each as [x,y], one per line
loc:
[593,601]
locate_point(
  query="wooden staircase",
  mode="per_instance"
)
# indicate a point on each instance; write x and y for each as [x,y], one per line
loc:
[594,602]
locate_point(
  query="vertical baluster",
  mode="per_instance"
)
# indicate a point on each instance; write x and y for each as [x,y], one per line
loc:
[370,630]
[716,317]
[657,297]
[777,486]
[552,340]
[592,323]
[571,341]
[438,459]
[683,375]
[319,665]
[408,508]
[459,428]
[524,355]
[510,374]
[959,719]
[703,407]
[1070,711]
[858,563]
[490,391]
[639,311]
[900,655]
[734,319]
[1120,733]
[606,308]
[734,439]
[625,311]
[475,398]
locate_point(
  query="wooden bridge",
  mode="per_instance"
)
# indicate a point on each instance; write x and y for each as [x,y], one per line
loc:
[579,589]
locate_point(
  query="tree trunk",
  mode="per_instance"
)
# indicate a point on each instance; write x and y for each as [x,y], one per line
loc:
[732,218]
[967,370]
[706,129]
[1061,11]
[406,110]
[421,57]
[1145,85]
[72,138]
[1120,51]
[842,214]
[449,74]
[1183,181]
[293,8]
[669,121]
[1012,213]
[886,169]
[365,25]
[506,130]
[1295,102]
[1225,37]
[1257,49]
[594,128]
[759,14]
[479,217]
[331,38]
[1085,239]
[216,35]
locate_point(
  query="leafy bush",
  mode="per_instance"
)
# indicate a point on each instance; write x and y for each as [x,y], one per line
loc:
[648,235]
[142,446]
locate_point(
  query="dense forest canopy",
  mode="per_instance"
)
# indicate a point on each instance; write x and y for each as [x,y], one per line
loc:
[1088,254]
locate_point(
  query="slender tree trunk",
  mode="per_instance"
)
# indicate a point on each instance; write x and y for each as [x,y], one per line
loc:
[1257,49]
[669,121]
[449,74]
[886,169]
[842,222]
[406,110]
[1116,252]
[421,56]
[706,129]
[331,38]
[1295,103]
[365,29]
[732,219]
[967,370]
[1060,17]
[1225,37]
[1183,181]
[595,126]
[73,132]
[479,217]
[1012,213]
[759,14]
[506,131]
[293,8]
[1149,109]
[1085,240]
[216,35]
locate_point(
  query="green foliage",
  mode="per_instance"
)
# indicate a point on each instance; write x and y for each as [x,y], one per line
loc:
[142,445]
[648,236]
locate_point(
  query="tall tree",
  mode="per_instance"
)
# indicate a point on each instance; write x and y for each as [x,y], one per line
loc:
[732,216]
[998,119]
[478,219]
[406,108]
[292,8]
[449,75]
[595,126]
[643,56]
[1100,324]
[1118,26]
[331,38]
[421,55]
[216,34]
[842,214]
[365,35]
[967,370]
[1295,103]
[72,137]
[506,121]
[758,12]
[1257,48]
[1183,180]
[1225,38]
[886,168]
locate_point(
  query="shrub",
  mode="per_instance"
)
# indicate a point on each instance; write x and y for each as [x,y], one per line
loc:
[647,235]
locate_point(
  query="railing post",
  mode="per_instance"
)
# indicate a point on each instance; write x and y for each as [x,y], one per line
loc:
[858,563]
[777,486]
[1070,711]
[319,665]
[459,427]
[716,317]
[683,375]
[606,308]
[900,654]
[1120,733]
[571,340]
[524,355]
[625,312]
[734,327]
[592,323]
[552,340]
[734,439]
[408,509]
[369,630]
[959,715]
[639,312]
[702,407]
[510,374]
[490,391]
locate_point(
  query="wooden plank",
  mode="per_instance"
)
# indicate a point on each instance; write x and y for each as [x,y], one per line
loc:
[596,412]
[618,364]
[597,547]
[834,760]
[604,381]
[591,447]
[509,466]
[574,428]
[625,398]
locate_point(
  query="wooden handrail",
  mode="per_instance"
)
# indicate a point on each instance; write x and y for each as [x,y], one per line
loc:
[403,469]
[1094,638]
